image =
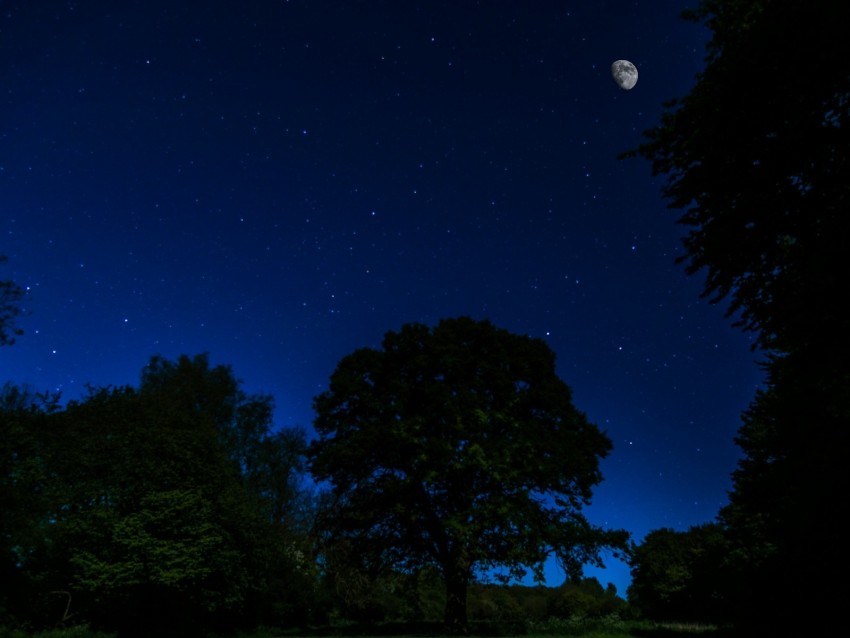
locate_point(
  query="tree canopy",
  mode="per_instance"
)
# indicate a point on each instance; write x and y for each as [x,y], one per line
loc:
[457,446]
[756,157]
[681,576]
[168,507]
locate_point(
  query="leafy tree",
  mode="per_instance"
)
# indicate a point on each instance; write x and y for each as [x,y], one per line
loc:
[495,605]
[11,296]
[158,514]
[756,157]
[786,495]
[170,555]
[586,598]
[153,518]
[457,447]
[681,576]
[25,492]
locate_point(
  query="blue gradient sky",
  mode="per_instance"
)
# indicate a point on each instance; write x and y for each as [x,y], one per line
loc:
[279,183]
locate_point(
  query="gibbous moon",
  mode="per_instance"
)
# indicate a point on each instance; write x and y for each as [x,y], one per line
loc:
[624,73]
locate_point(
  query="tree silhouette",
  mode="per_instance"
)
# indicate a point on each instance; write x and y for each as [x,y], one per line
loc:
[160,508]
[11,296]
[681,576]
[457,447]
[756,156]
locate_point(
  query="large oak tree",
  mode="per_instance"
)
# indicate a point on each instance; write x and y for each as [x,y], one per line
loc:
[458,447]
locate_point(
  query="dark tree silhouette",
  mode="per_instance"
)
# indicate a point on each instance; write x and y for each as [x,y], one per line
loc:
[11,296]
[457,447]
[757,157]
[26,491]
[162,508]
[681,576]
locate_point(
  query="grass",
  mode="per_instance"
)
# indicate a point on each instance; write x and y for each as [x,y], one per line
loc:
[554,628]
[66,632]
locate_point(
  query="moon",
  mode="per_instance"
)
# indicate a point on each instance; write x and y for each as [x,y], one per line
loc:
[625,74]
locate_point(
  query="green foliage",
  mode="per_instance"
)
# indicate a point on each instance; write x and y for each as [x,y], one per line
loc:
[76,631]
[682,576]
[172,507]
[26,490]
[456,447]
[494,604]
[586,598]
[168,542]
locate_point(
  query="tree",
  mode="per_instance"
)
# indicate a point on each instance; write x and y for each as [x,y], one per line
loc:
[457,447]
[26,489]
[756,156]
[11,295]
[681,576]
[586,598]
[159,508]
[786,493]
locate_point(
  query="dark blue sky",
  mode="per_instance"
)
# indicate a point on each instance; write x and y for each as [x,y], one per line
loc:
[279,183]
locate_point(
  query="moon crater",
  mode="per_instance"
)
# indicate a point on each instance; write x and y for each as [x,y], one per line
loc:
[625,74]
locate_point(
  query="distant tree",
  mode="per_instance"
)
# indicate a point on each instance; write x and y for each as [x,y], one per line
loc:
[495,604]
[756,155]
[681,576]
[586,598]
[11,296]
[457,447]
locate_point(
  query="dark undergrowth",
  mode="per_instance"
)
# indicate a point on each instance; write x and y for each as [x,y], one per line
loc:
[596,628]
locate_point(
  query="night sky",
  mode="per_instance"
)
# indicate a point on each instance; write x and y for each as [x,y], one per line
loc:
[278,183]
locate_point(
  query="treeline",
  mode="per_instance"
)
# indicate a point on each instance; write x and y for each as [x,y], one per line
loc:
[420,599]
[173,504]
[178,499]
[175,507]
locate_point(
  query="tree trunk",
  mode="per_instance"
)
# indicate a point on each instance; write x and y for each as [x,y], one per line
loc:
[455,619]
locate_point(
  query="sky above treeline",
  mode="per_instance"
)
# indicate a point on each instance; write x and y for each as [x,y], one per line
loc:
[278,183]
